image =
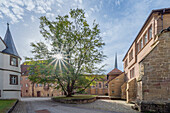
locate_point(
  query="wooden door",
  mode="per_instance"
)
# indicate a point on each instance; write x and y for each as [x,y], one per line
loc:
[38,94]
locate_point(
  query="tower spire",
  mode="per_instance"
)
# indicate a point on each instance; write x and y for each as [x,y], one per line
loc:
[116,60]
[10,43]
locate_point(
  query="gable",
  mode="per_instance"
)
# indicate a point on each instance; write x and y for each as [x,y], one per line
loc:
[2,45]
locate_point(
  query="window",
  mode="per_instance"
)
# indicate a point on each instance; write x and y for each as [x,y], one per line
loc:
[13,61]
[146,38]
[13,79]
[100,85]
[26,91]
[92,86]
[26,85]
[112,92]
[126,63]
[141,44]
[40,85]
[132,72]
[150,33]
[36,85]
[138,47]
[131,55]
[26,78]
[112,84]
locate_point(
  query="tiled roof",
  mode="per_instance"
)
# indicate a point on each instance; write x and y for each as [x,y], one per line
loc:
[114,71]
[10,44]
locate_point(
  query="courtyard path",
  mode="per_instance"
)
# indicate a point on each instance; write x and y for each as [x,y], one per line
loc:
[45,105]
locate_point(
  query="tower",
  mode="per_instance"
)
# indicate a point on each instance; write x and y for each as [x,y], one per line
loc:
[10,71]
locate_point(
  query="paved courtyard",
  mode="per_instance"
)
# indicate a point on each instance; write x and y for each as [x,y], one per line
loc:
[45,105]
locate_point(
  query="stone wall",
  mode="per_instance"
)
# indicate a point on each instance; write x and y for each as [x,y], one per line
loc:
[156,78]
[114,86]
[123,90]
[131,90]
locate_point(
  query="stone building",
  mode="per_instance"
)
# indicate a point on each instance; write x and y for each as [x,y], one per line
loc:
[115,81]
[100,88]
[9,68]
[40,90]
[146,63]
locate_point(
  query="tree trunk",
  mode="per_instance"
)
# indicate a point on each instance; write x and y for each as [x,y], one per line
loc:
[32,89]
[69,94]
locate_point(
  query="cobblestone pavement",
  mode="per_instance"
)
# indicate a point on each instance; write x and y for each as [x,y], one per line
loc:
[109,105]
[42,105]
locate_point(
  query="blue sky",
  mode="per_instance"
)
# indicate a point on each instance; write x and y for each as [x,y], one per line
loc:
[119,20]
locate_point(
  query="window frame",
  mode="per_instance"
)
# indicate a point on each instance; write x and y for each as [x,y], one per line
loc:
[145,38]
[131,55]
[132,73]
[126,63]
[11,57]
[150,35]
[141,44]
[10,79]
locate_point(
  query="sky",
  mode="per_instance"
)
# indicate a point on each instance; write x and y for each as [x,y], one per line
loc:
[119,21]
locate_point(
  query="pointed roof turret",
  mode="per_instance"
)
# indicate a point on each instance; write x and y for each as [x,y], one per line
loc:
[116,60]
[10,43]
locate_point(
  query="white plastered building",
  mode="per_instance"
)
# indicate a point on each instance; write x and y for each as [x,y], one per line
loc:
[10,70]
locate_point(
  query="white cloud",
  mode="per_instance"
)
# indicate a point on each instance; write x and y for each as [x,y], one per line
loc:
[33,18]
[59,5]
[80,1]
[29,5]
[50,15]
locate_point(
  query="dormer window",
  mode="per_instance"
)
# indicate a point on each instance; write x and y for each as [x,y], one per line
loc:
[13,61]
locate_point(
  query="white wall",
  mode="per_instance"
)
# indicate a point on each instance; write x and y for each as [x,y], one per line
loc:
[2,45]
[12,95]
[5,78]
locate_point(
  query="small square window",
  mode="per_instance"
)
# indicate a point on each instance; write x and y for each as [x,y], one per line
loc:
[13,79]
[13,61]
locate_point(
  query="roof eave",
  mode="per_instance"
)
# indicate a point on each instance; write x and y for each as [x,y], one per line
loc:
[153,11]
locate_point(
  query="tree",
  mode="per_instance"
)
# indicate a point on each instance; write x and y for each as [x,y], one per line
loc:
[72,51]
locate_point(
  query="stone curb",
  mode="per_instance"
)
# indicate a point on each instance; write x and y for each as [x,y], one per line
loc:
[75,101]
[12,108]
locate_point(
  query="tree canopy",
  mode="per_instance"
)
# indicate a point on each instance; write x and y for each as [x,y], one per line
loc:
[72,52]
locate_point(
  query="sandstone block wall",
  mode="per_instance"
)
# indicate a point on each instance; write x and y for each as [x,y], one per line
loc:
[155,93]
[123,90]
[131,90]
[156,78]
[114,86]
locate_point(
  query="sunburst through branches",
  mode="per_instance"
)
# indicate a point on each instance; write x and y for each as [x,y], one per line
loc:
[60,59]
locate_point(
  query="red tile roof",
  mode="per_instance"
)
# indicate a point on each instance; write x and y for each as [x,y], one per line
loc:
[114,71]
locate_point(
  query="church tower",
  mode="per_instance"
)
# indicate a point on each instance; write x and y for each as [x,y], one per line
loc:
[10,70]
[115,72]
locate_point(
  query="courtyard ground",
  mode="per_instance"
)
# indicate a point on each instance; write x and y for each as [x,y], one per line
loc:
[45,105]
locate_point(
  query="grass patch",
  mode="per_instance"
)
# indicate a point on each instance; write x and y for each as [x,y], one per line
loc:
[5,105]
[76,97]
